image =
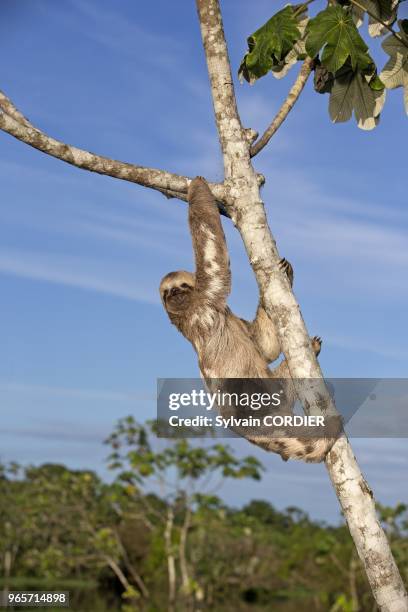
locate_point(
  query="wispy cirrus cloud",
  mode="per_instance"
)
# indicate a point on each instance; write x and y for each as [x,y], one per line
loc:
[364,240]
[113,29]
[353,344]
[58,434]
[75,393]
[77,272]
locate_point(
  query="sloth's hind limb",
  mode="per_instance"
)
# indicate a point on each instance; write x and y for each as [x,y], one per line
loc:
[262,328]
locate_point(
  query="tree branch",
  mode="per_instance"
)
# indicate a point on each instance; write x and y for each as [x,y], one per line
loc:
[286,107]
[248,213]
[14,123]
[8,107]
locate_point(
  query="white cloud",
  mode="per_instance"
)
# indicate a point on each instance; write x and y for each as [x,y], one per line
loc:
[114,30]
[255,108]
[77,272]
[75,393]
[59,433]
[354,344]
[358,244]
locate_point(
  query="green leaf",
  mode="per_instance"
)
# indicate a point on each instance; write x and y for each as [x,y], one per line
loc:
[297,53]
[341,98]
[376,83]
[395,72]
[383,10]
[351,92]
[269,45]
[334,31]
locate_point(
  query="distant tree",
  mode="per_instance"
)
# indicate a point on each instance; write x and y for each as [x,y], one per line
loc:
[185,474]
[57,522]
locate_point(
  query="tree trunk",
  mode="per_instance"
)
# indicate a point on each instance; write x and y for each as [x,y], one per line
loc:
[185,578]
[171,564]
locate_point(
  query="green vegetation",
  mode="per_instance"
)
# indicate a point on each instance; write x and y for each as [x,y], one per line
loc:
[343,65]
[119,546]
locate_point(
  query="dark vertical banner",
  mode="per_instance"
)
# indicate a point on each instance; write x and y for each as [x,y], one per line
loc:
[368,407]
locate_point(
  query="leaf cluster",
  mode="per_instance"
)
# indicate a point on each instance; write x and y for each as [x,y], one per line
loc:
[134,453]
[270,44]
[344,67]
[59,525]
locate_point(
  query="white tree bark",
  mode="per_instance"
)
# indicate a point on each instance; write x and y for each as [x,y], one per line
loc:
[171,562]
[247,211]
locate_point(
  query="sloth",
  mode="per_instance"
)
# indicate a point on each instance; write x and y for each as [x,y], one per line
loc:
[227,346]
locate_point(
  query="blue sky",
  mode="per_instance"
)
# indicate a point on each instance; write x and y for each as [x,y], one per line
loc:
[81,256]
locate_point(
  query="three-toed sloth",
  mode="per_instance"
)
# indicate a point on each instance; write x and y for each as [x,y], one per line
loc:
[229,347]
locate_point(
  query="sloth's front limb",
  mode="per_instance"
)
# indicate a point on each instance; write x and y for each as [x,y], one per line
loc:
[212,276]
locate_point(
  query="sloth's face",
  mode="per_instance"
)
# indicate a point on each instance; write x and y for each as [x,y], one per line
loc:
[175,291]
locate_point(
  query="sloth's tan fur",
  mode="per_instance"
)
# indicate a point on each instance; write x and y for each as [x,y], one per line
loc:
[227,346]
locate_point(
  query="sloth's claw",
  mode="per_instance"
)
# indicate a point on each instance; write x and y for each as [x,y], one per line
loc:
[286,267]
[317,344]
